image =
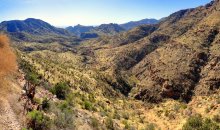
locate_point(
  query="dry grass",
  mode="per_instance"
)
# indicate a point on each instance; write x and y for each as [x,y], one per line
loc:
[8,63]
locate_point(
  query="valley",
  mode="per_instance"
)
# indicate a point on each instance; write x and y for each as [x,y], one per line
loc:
[152,76]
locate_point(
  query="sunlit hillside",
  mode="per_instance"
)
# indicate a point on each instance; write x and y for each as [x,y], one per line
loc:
[141,75]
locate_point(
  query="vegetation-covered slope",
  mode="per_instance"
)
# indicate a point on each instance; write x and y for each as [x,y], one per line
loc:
[169,59]
[153,76]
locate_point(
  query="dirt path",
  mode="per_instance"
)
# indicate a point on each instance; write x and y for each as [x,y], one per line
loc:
[11,116]
[8,119]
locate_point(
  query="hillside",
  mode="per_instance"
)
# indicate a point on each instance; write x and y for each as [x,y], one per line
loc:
[158,76]
[150,59]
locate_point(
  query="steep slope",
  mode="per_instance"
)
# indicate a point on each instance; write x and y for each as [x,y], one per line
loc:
[171,60]
[175,69]
[133,24]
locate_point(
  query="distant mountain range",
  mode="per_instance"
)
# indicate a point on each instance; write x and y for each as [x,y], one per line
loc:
[32,26]
[79,29]
[107,29]
[133,24]
[35,29]
[93,32]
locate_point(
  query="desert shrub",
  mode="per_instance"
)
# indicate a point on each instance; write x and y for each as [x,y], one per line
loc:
[208,124]
[128,126]
[33,78]
[63,115]
[64,119]
[150,126]
[63,106]
[70,99]
[61,90]
[94,123]
[109,123]
[31,75]
[116,115]
[45,104]
[216,118]
[38,121]
[37,100]
[218,100]
[207,110]
[179,106]
[198,123]
[125,115]
[88,105]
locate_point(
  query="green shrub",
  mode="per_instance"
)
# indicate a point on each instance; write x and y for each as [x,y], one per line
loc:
[45,104]
[198,123]
[37,100]
[109,124]
[31,74]
[70,99]
[116,115]
[125,115]
[26,129]
[33,78]
[127,125]
[38,121]
[63,106]
[61,90]
[150,126]
[63,116]
[64,119]
[88,105]
[208,124]
[94,123]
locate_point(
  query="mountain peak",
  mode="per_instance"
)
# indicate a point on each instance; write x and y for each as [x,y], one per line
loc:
[32,19]
[133,24]
[31,26]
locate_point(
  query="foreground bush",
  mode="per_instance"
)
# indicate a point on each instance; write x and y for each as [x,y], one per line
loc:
[61,90]
[109,124]
[38,121]
[33,78]
[198,123]
[63,116]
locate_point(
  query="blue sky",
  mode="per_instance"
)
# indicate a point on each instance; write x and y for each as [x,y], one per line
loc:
[92,12]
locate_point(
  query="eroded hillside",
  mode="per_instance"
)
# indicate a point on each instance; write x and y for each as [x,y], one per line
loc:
[153,76]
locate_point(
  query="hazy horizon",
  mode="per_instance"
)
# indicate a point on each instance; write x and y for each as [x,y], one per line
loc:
[62,13]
